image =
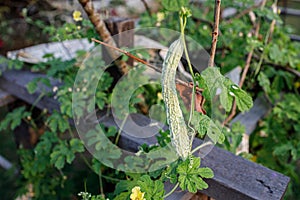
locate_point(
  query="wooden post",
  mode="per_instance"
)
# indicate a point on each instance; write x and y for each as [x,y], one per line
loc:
[122,32]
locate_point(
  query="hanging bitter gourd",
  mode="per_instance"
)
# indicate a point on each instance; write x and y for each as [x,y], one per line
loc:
[178,129]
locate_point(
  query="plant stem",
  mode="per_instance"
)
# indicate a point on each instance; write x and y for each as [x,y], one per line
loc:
[120,130]
[201,146]
[101,183]
[215,33]
[174,188]
[111,179]
[183,20]
[37,100]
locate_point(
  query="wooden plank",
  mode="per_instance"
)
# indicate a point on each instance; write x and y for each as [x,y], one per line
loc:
[5,98]
[235,177]
[15,81]
[5,164]
[295,38]
[289,11]
[65,50]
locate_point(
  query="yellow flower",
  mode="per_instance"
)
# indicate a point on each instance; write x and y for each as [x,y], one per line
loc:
[77,15]
[136,194]
[297,85]
[278,11]
[160,16]
[159,96]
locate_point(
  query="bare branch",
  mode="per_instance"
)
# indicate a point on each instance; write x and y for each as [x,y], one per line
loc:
[215,33]
[147,7]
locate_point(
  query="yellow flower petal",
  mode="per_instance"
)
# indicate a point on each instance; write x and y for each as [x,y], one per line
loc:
[136,194]
[77,15]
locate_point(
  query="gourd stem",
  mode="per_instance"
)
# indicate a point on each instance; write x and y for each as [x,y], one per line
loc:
[183,20]
[201,146]
[174,188]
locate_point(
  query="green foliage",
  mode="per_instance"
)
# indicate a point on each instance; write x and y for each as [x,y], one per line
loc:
[154,190]
[277,143]
[105,151]
[14,118]
[174,5]
[211,79]
[264,82]
[191,176]
[234,136]
[37,169]
[33,85]
[6,64]
[57,122]
[163,138]
[123,188]
[170,173]
[206,126]
[65,152]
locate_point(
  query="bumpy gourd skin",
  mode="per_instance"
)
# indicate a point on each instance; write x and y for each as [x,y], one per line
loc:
[177,125]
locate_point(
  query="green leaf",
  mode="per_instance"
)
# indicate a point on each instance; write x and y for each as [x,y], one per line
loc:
[65,152]
[206,172]
[214,80]
[226,97]
[58,160]
[123,189]
[283,149]
[174,5]
[111,132]
[76,145]
[275,53]
[170,173]
[204,125]
[14,118]
[123,196]
[190,175]
[264,82]
[243,100]
[57,122]
[201,123]
[31,87]
[154,190]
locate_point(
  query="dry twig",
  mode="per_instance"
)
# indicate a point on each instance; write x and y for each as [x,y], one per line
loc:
[147,7]
[215,33]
